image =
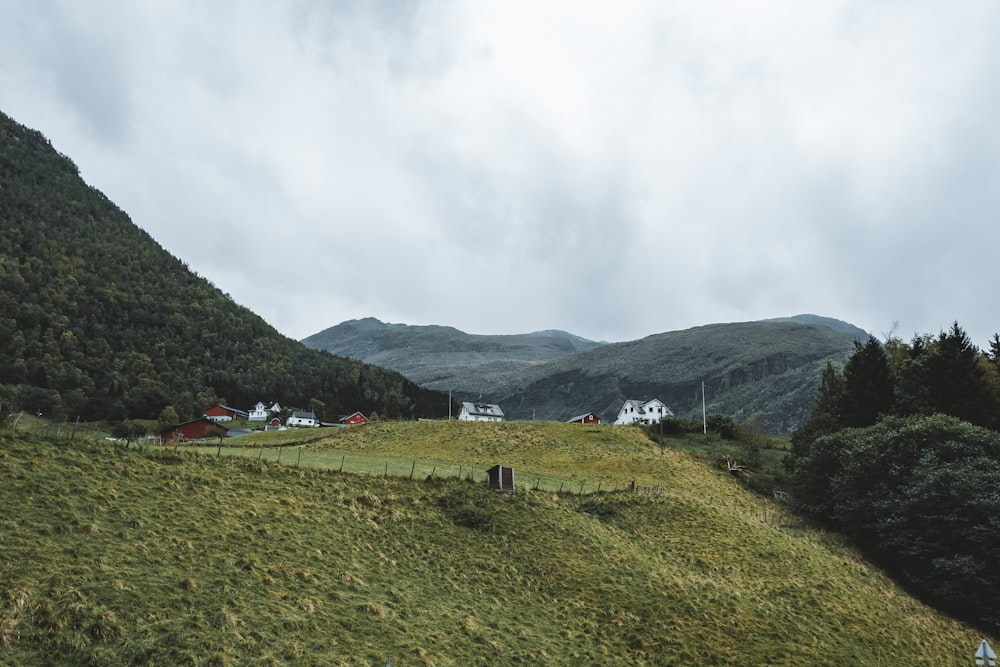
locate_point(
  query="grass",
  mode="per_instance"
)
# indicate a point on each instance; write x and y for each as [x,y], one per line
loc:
[114,556]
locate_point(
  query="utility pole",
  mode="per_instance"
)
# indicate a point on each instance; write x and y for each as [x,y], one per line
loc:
[704,417]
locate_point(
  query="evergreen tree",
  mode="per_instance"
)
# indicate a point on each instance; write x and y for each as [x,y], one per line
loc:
[868,386]
[956,379]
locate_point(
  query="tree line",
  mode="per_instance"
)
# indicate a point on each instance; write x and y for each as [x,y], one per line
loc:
[900,454]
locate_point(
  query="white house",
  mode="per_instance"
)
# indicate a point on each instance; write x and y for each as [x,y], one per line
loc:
[301,418]
[260,412]
[643,412]
[480,412]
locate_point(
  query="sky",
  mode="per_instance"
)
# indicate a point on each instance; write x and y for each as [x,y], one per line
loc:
[613,170]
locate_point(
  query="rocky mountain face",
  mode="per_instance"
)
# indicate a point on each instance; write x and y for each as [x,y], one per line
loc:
[767,371]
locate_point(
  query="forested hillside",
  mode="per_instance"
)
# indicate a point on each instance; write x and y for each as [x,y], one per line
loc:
[99,321]
[900,454]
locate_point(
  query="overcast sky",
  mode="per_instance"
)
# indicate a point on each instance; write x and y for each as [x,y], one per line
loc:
[612,169]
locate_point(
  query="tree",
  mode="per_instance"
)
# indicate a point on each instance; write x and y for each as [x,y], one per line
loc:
[825,415]
[919,496]
[168,417]
[868,388]
[947,376]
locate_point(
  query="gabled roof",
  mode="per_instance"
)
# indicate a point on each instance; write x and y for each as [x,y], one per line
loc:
[227,408]
[486,409]
[640,406]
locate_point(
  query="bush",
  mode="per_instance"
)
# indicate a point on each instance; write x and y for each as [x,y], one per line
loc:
[919,495]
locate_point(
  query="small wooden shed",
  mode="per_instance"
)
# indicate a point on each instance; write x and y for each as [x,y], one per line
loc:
[501,478]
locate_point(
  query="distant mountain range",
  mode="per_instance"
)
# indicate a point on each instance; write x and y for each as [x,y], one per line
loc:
[768,371]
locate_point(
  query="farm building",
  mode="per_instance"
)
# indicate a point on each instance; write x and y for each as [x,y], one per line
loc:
[203,427]
[501,478]
[224,413]
[643,412]
[260,412]
[480,412]
[356,418]
[589,418]
[302,418]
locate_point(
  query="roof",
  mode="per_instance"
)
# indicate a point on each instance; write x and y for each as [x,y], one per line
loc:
[302,414]
[477,408]
[582,417]
[640,406]
[229,408]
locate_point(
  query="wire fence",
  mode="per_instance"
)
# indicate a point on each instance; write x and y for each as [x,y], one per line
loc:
[406,468]
[298,456]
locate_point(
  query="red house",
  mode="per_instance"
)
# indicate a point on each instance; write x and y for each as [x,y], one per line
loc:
[589,418]
[203,427]
[356,418]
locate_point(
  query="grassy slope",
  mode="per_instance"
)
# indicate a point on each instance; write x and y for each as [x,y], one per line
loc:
[112,557]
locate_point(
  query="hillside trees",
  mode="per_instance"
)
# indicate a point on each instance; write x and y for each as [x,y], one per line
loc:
[867,390]
[919,495]
[98,321]
[911,482]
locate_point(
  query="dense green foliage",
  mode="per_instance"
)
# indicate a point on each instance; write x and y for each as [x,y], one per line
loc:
[98,321]
[897,456]
[117,556]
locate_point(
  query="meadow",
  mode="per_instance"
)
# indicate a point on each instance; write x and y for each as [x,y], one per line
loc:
[155,555]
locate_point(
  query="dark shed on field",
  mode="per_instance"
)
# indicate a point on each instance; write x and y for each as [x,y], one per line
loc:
[501,478]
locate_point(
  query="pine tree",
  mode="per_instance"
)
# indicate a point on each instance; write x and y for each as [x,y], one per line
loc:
[868,386]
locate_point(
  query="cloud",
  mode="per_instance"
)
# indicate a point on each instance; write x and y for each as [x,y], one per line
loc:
[508,167]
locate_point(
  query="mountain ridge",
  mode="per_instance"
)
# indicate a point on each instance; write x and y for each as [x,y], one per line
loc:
[766,370]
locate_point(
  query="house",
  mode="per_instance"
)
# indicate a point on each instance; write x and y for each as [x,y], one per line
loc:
[203,427]
[643,412]
[224,413]
[302,418]
[261,412]
[589,418]
[273,424]
[480,412]
[356,418]
[501,478]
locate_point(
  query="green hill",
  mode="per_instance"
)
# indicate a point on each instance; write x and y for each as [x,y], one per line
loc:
[98,321]
[157,556]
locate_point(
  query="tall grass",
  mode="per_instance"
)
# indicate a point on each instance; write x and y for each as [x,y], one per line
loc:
[113,556]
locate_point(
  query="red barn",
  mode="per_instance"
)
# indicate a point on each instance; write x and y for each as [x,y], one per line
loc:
[356,418]
[203,427]
[589,418]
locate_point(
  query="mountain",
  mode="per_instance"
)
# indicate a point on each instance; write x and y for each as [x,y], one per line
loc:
[445,358]
[98,321]
[767,371]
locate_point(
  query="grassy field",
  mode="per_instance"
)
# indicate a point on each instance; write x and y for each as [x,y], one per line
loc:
[150,557]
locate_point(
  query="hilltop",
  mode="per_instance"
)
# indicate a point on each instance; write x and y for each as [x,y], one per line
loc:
[118,556]
[766,371]
[100,322]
